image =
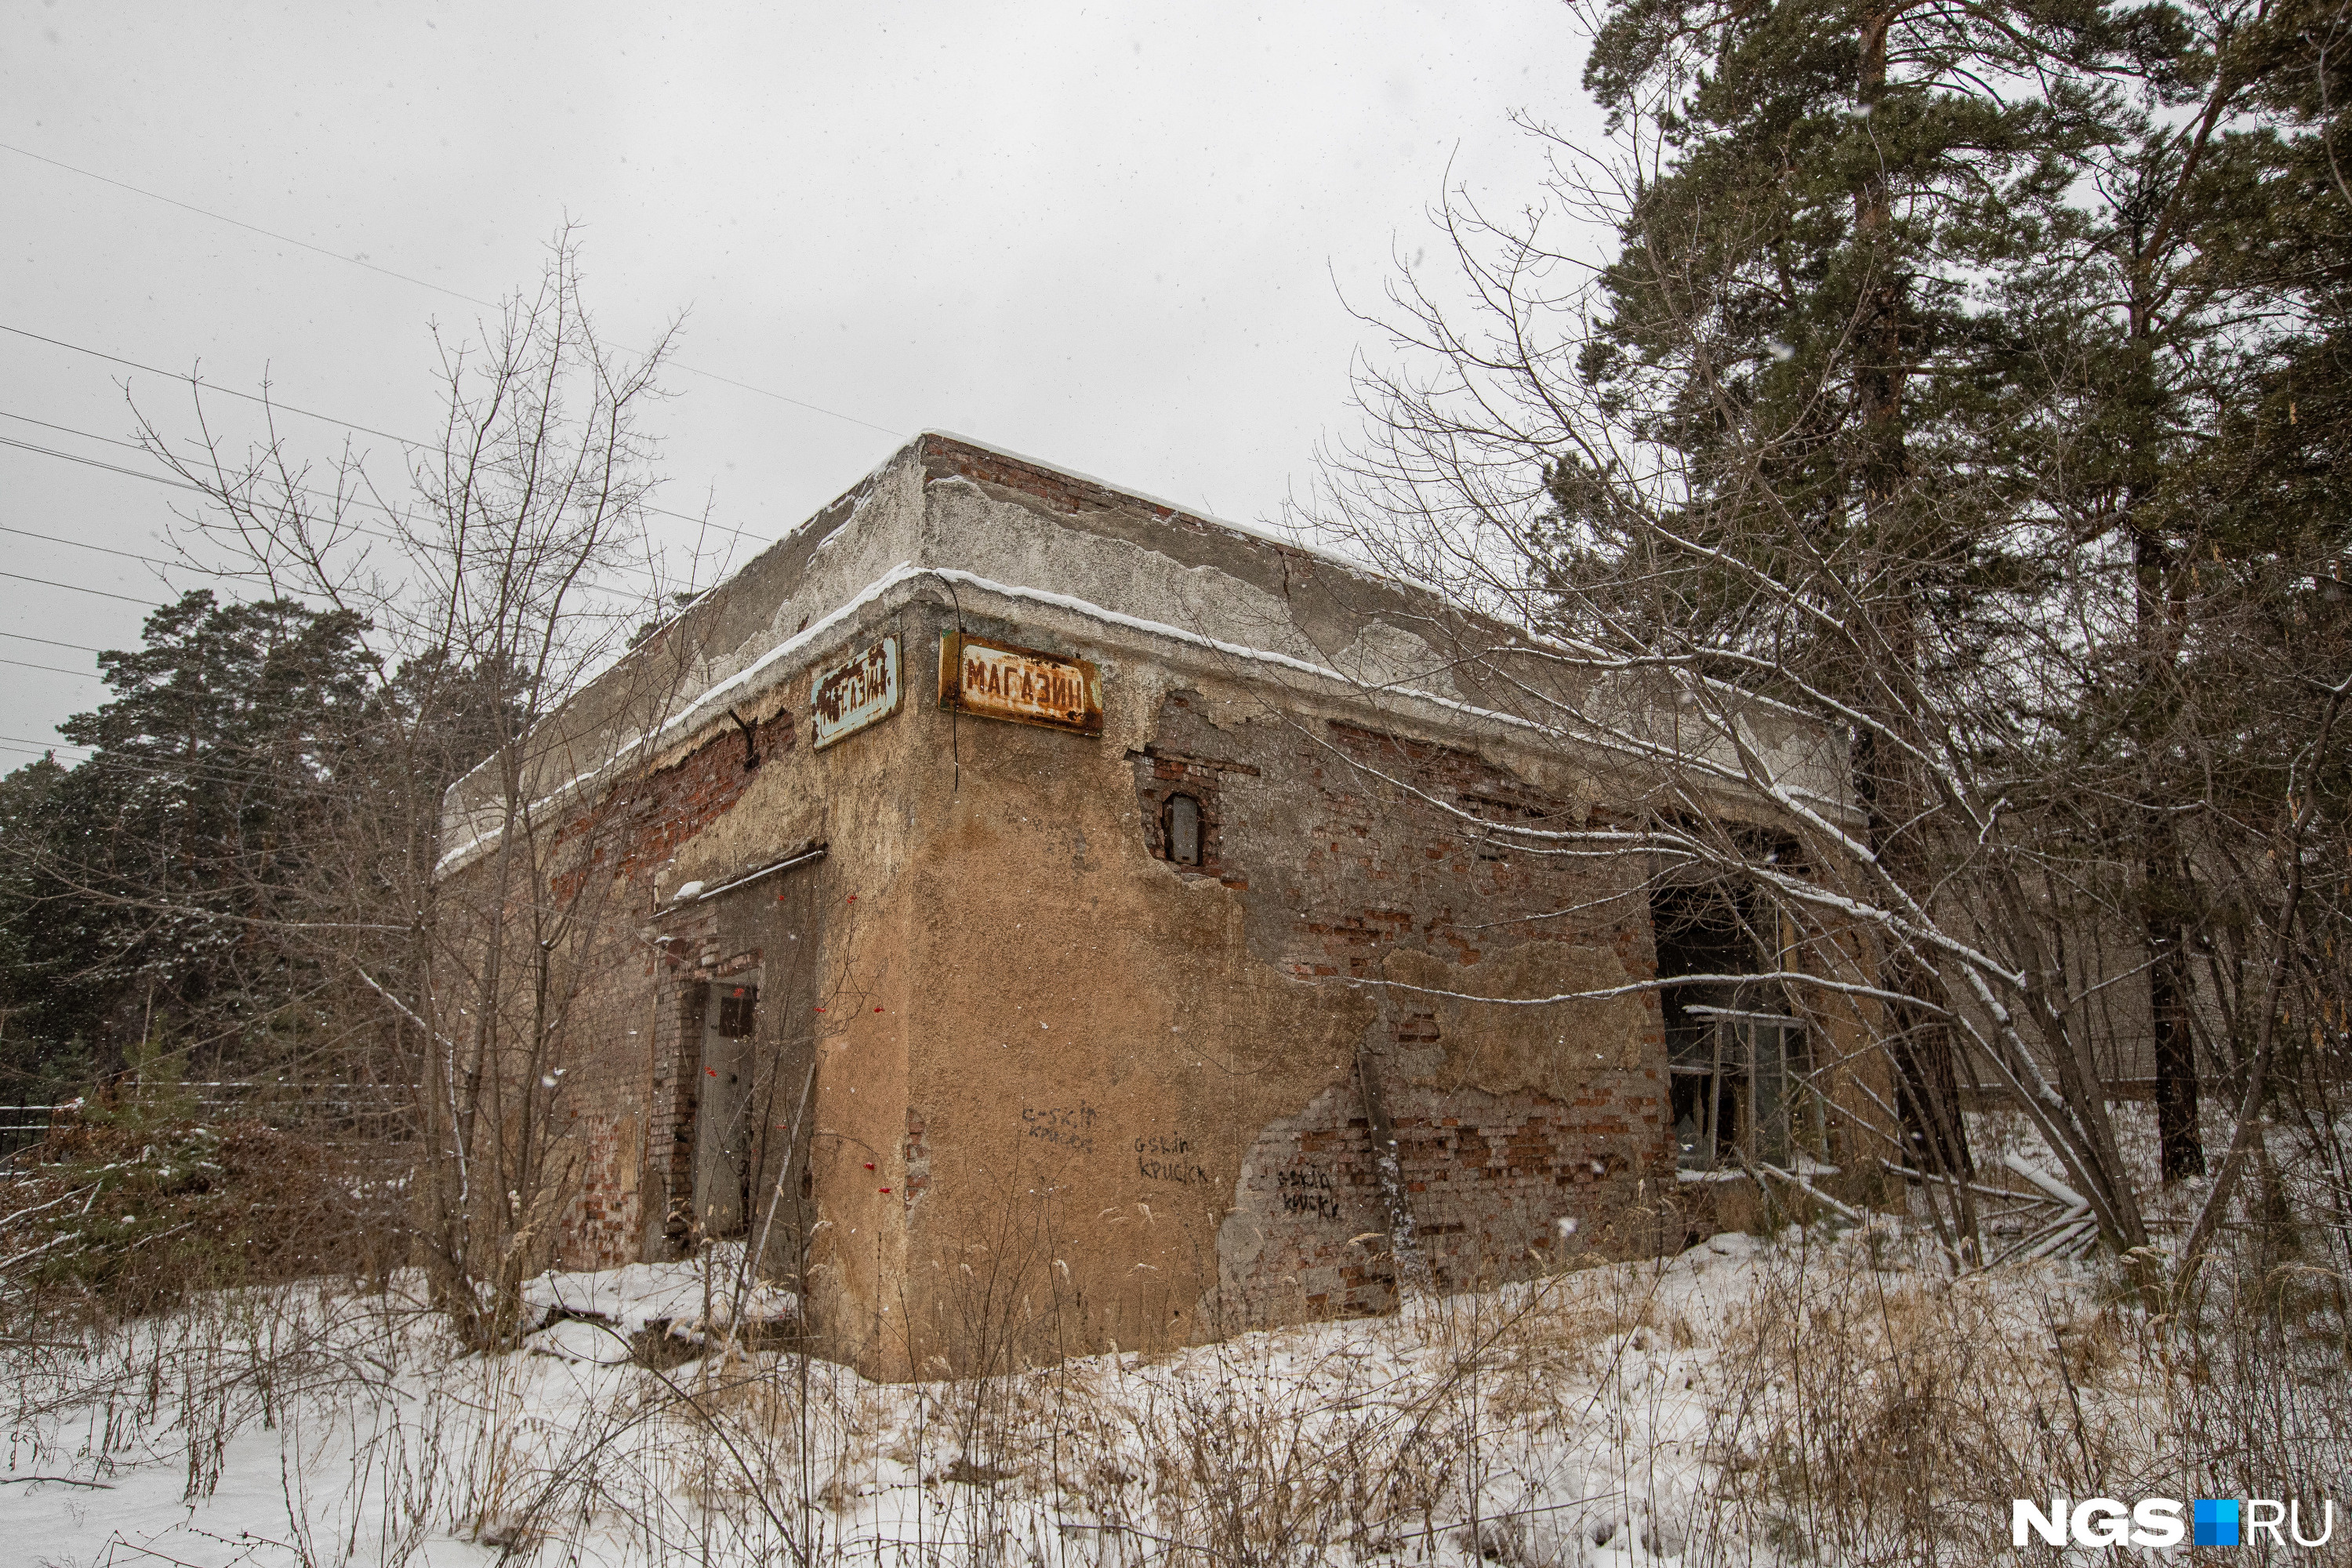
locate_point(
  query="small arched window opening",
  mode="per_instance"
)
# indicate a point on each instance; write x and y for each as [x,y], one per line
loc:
[1180,823]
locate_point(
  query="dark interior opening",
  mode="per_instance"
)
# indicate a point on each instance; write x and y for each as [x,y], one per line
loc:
[736,1007]
[1700,928]
[1705,929]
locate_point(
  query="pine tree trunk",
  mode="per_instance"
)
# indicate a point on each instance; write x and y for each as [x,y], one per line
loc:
[2180,1146]
[1888,777]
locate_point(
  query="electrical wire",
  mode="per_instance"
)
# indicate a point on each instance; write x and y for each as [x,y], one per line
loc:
[93,462]
[216,772]
[81,588]
[193,772]
[419,282]
[173,484]
[104,550]
[184,773]
[53,642]
[197,383]
[267,403]
[70,430]
[198,489]
[78,588]
[249,229]
[52,668]
[208,386]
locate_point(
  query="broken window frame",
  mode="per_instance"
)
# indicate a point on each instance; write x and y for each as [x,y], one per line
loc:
[1747,1052]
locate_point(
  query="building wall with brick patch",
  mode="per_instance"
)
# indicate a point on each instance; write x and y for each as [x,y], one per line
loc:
[1021,1078]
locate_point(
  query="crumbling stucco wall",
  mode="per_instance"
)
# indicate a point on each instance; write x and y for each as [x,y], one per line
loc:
[1143,1088]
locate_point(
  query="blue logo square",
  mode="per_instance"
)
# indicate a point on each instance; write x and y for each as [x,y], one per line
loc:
[2216,1520]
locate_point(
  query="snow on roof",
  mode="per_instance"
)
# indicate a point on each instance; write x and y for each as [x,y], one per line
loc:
[1248,531]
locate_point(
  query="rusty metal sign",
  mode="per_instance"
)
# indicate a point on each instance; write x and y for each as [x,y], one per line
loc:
[999,681]
[862,692]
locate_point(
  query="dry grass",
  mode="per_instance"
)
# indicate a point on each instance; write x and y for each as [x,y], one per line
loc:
[1802,1403]
[134,1216]
[1880,1418]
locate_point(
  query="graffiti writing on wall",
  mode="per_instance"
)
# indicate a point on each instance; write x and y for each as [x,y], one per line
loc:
[1069,1127]
[1168,1160]
[1307,1191]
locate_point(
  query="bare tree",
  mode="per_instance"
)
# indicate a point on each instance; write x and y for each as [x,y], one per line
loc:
[2086,726]
[506,570]
[1680,606]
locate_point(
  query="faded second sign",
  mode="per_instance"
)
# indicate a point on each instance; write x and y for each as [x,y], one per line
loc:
[1001,680]
[863,691]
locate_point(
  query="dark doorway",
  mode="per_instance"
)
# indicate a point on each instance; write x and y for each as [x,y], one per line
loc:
[723,1121]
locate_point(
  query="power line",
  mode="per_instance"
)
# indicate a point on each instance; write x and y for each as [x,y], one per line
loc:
[763,392]
[419,282]
[93,462]
[185,772]
[78,588]
[53,642]
[163,479]
[198,490]
[134,555]
[106,550]
[53,669]
[182,769]
[174,484]
[215,571]
[249,229]
[281,407]
[206,767]
[68,430]
[197,381]
[153,604]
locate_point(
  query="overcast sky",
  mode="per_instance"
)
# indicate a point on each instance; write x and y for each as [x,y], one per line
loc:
[1111,238]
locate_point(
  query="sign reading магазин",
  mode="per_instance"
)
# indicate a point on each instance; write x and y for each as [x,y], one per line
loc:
[861,691]
[1001,680]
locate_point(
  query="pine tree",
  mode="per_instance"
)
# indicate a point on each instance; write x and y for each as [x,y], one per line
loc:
[1811,289]
[149,882]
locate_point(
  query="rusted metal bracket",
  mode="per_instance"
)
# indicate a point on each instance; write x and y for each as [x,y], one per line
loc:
[751,740]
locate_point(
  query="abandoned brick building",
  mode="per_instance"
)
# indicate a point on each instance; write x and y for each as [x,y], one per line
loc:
[1033,891]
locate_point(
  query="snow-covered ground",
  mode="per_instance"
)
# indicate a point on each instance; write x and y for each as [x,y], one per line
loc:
[1621,1415]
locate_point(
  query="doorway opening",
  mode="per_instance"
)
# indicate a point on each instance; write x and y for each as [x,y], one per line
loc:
[723,1110]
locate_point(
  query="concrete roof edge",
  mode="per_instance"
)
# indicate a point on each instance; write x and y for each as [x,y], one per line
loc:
[682,733]
[849,497]
[1245,530]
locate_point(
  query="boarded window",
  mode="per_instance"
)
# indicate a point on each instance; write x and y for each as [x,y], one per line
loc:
[1181,824]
